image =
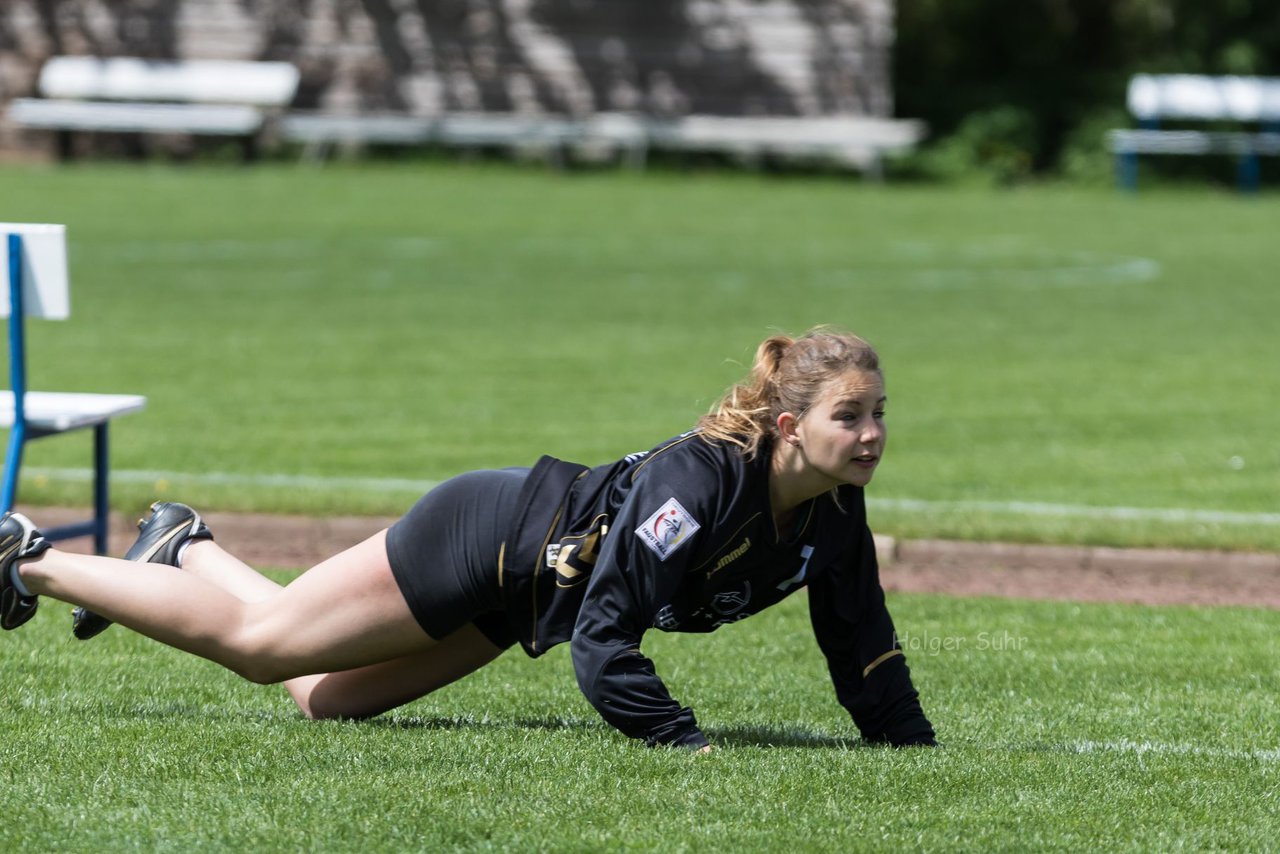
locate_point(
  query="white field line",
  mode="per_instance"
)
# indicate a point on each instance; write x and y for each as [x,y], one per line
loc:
[1079,511]
[993,264]
[1155,748]
[1066,274]
[379,485]
[234,249]
[249,481]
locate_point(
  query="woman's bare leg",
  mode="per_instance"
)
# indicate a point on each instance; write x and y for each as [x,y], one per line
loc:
[364,691]
[347,612]
[208,560]
[372,690]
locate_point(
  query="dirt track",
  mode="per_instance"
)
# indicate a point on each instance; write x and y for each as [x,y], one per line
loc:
[1148,576]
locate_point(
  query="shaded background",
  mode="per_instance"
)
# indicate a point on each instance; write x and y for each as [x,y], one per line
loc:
[1018,87]
[567,57]
[1010,88]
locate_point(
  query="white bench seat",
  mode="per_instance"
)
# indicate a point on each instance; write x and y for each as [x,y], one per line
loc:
[58,412]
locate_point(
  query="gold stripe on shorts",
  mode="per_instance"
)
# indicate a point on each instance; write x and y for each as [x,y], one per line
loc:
[879,661]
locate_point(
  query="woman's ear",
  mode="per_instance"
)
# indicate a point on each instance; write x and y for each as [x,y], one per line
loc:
[787,428]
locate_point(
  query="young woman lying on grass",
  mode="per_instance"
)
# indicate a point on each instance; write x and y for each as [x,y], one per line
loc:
[763,498]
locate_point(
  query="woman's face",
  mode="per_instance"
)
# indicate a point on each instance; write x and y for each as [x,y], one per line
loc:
[842,435]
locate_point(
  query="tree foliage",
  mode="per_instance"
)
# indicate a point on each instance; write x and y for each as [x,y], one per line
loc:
[1012,84]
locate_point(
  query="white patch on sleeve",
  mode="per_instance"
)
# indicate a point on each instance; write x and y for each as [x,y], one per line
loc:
[667,529]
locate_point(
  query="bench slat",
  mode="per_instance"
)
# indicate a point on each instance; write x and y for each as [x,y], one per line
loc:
[1200,97]
[208,81]
[136,118]
[1191,142]
[404,130]
[857,139]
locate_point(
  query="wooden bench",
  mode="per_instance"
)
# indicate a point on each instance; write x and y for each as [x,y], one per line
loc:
[137,96]
[33,271]
[1251,102]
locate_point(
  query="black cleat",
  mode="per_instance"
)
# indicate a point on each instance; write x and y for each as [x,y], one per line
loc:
[19,539]
[162,536]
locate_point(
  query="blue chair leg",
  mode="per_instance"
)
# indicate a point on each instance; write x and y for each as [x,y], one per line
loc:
[12,464]
[98,526]
[1127,170]
[17,372]
[1248,173]
[101,509]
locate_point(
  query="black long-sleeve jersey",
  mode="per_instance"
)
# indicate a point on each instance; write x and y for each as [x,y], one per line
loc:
[682,538]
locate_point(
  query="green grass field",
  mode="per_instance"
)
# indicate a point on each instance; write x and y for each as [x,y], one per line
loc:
[329,340]
[1064,366]
[1064,726]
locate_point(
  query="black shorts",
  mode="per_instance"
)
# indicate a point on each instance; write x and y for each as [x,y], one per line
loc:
[444,553]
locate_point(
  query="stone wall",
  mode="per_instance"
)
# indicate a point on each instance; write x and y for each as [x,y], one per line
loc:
[559,57]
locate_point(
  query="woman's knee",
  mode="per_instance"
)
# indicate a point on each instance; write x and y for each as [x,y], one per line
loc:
[263,672]
[261,668]
[258,651]
[321,705]
[310,702]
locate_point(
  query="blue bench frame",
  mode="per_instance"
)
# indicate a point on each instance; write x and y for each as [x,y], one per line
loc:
[22,432]
[1206,99]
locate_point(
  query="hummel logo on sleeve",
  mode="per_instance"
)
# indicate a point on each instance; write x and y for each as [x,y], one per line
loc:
[667,529]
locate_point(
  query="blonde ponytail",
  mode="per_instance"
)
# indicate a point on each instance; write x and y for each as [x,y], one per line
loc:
[787,376]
